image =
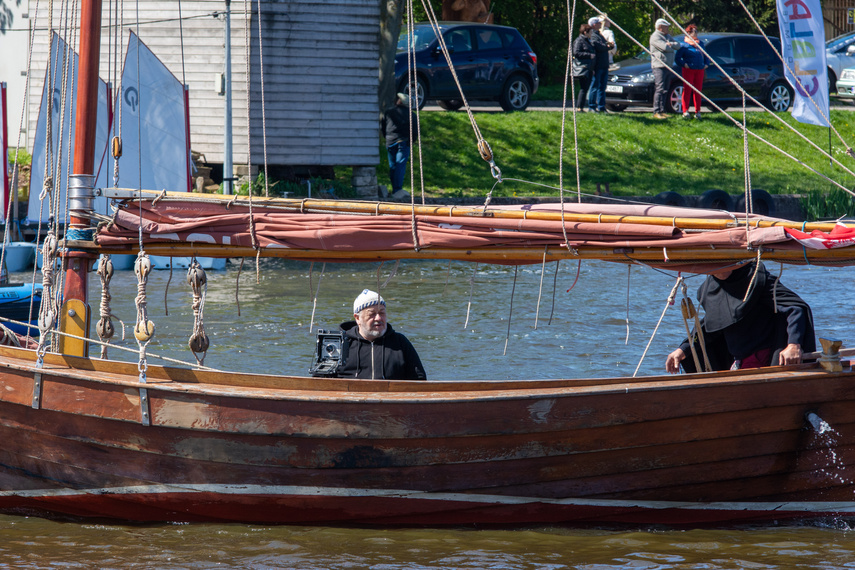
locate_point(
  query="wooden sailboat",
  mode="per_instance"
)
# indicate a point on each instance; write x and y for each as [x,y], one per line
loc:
[88,437]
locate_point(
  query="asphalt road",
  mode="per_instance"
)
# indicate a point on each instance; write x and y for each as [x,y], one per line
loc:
[493,107]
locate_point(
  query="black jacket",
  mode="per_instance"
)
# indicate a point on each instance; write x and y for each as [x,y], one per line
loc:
[390,357]
[601,48]
[583,52]
[734,329]
[396,125]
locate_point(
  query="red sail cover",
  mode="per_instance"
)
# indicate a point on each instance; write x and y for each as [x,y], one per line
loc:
[189,222]
[840,236]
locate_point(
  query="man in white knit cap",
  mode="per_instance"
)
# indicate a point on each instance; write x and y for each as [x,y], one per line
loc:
[374,350]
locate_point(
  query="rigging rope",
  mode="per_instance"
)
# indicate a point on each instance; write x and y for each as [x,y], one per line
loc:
[483,146]
[144,328]
[668,303]
[198,281]
[105,328]
[511,309]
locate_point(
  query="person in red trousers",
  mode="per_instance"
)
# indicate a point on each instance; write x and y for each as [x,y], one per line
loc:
[692,63]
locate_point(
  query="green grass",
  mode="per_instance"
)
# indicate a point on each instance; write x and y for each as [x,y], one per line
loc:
[636,154]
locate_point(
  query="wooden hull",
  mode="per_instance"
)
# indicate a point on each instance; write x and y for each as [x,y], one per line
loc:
[688,450]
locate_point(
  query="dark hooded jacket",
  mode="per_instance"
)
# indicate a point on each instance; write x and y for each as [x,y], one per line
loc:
[390,357]
[735,329]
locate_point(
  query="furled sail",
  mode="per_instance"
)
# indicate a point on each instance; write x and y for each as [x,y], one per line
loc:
[682,239]
[37,210]
[150,111]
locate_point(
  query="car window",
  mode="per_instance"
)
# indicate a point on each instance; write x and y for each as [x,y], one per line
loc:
[422,38]
[459,40]
[721,51]
[752,50]
[840,42]
[508,38]
[489,39]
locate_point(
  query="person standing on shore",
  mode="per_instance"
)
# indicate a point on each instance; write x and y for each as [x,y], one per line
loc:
[395,127]
[597,94]
[693,64]
[610,38]
[662,50]
[584,55]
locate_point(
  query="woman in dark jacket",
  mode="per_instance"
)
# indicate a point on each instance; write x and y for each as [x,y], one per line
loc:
[584,55]
[692,63]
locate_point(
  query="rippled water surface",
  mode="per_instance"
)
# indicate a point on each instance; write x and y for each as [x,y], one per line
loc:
[429,303]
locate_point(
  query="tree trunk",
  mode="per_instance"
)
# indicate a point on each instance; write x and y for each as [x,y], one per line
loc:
[391,16]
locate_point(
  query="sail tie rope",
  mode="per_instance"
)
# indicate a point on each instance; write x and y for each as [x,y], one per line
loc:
[198,281]
[511,309]
[628,274]
[713,105]
[317,291]
[555,289]
[471,290]
[540,289]
[670,302]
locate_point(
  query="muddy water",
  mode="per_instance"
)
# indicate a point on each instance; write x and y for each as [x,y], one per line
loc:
[429,303]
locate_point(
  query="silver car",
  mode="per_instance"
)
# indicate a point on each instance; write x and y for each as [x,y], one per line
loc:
[840,55]
[846,85]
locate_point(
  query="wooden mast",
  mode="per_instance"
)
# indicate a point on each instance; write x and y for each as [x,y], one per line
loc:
[74,317]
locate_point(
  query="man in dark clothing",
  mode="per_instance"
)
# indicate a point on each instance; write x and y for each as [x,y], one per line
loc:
[373,350]
[597,94]
[772,326]
[396,130]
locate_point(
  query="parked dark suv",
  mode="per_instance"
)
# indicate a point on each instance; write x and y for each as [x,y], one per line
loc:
[491,62]
[747,58]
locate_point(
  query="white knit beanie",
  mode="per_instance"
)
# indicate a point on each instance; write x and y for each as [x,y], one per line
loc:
[367,299]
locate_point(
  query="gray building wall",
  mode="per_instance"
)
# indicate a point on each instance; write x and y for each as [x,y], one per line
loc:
[320,62]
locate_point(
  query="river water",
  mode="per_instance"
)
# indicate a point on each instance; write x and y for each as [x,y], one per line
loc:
[429,302]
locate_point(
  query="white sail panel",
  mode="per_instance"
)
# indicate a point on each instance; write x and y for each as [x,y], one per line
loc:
[39,210]
[151,112]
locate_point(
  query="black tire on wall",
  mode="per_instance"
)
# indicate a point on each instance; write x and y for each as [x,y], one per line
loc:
[763,203]
[716,200]
[669,199]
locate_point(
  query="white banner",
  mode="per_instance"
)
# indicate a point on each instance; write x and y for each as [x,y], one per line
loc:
[803,45]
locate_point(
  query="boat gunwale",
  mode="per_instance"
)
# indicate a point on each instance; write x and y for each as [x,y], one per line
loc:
[263,386]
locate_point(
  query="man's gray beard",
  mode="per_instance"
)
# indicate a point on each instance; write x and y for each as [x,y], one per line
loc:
[374,334]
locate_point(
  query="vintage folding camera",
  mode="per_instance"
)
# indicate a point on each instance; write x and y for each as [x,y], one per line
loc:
[330,353]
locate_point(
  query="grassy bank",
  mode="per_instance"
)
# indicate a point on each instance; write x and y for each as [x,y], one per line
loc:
[632,152]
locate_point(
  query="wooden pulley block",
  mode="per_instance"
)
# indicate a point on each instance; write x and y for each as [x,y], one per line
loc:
[105,267]
[105,328]
[199,343]
[196,276]
[485,150]
[117,147]
[142,266]
[49,247]
[143,331]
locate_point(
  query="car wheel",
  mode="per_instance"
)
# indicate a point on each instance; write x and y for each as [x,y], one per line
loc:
[674,99]
[421,91]
[780,97]
[516,94]
[832,81]
[450,104]
[616,108]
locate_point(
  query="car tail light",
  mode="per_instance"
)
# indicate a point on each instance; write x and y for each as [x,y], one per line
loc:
[533,57]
